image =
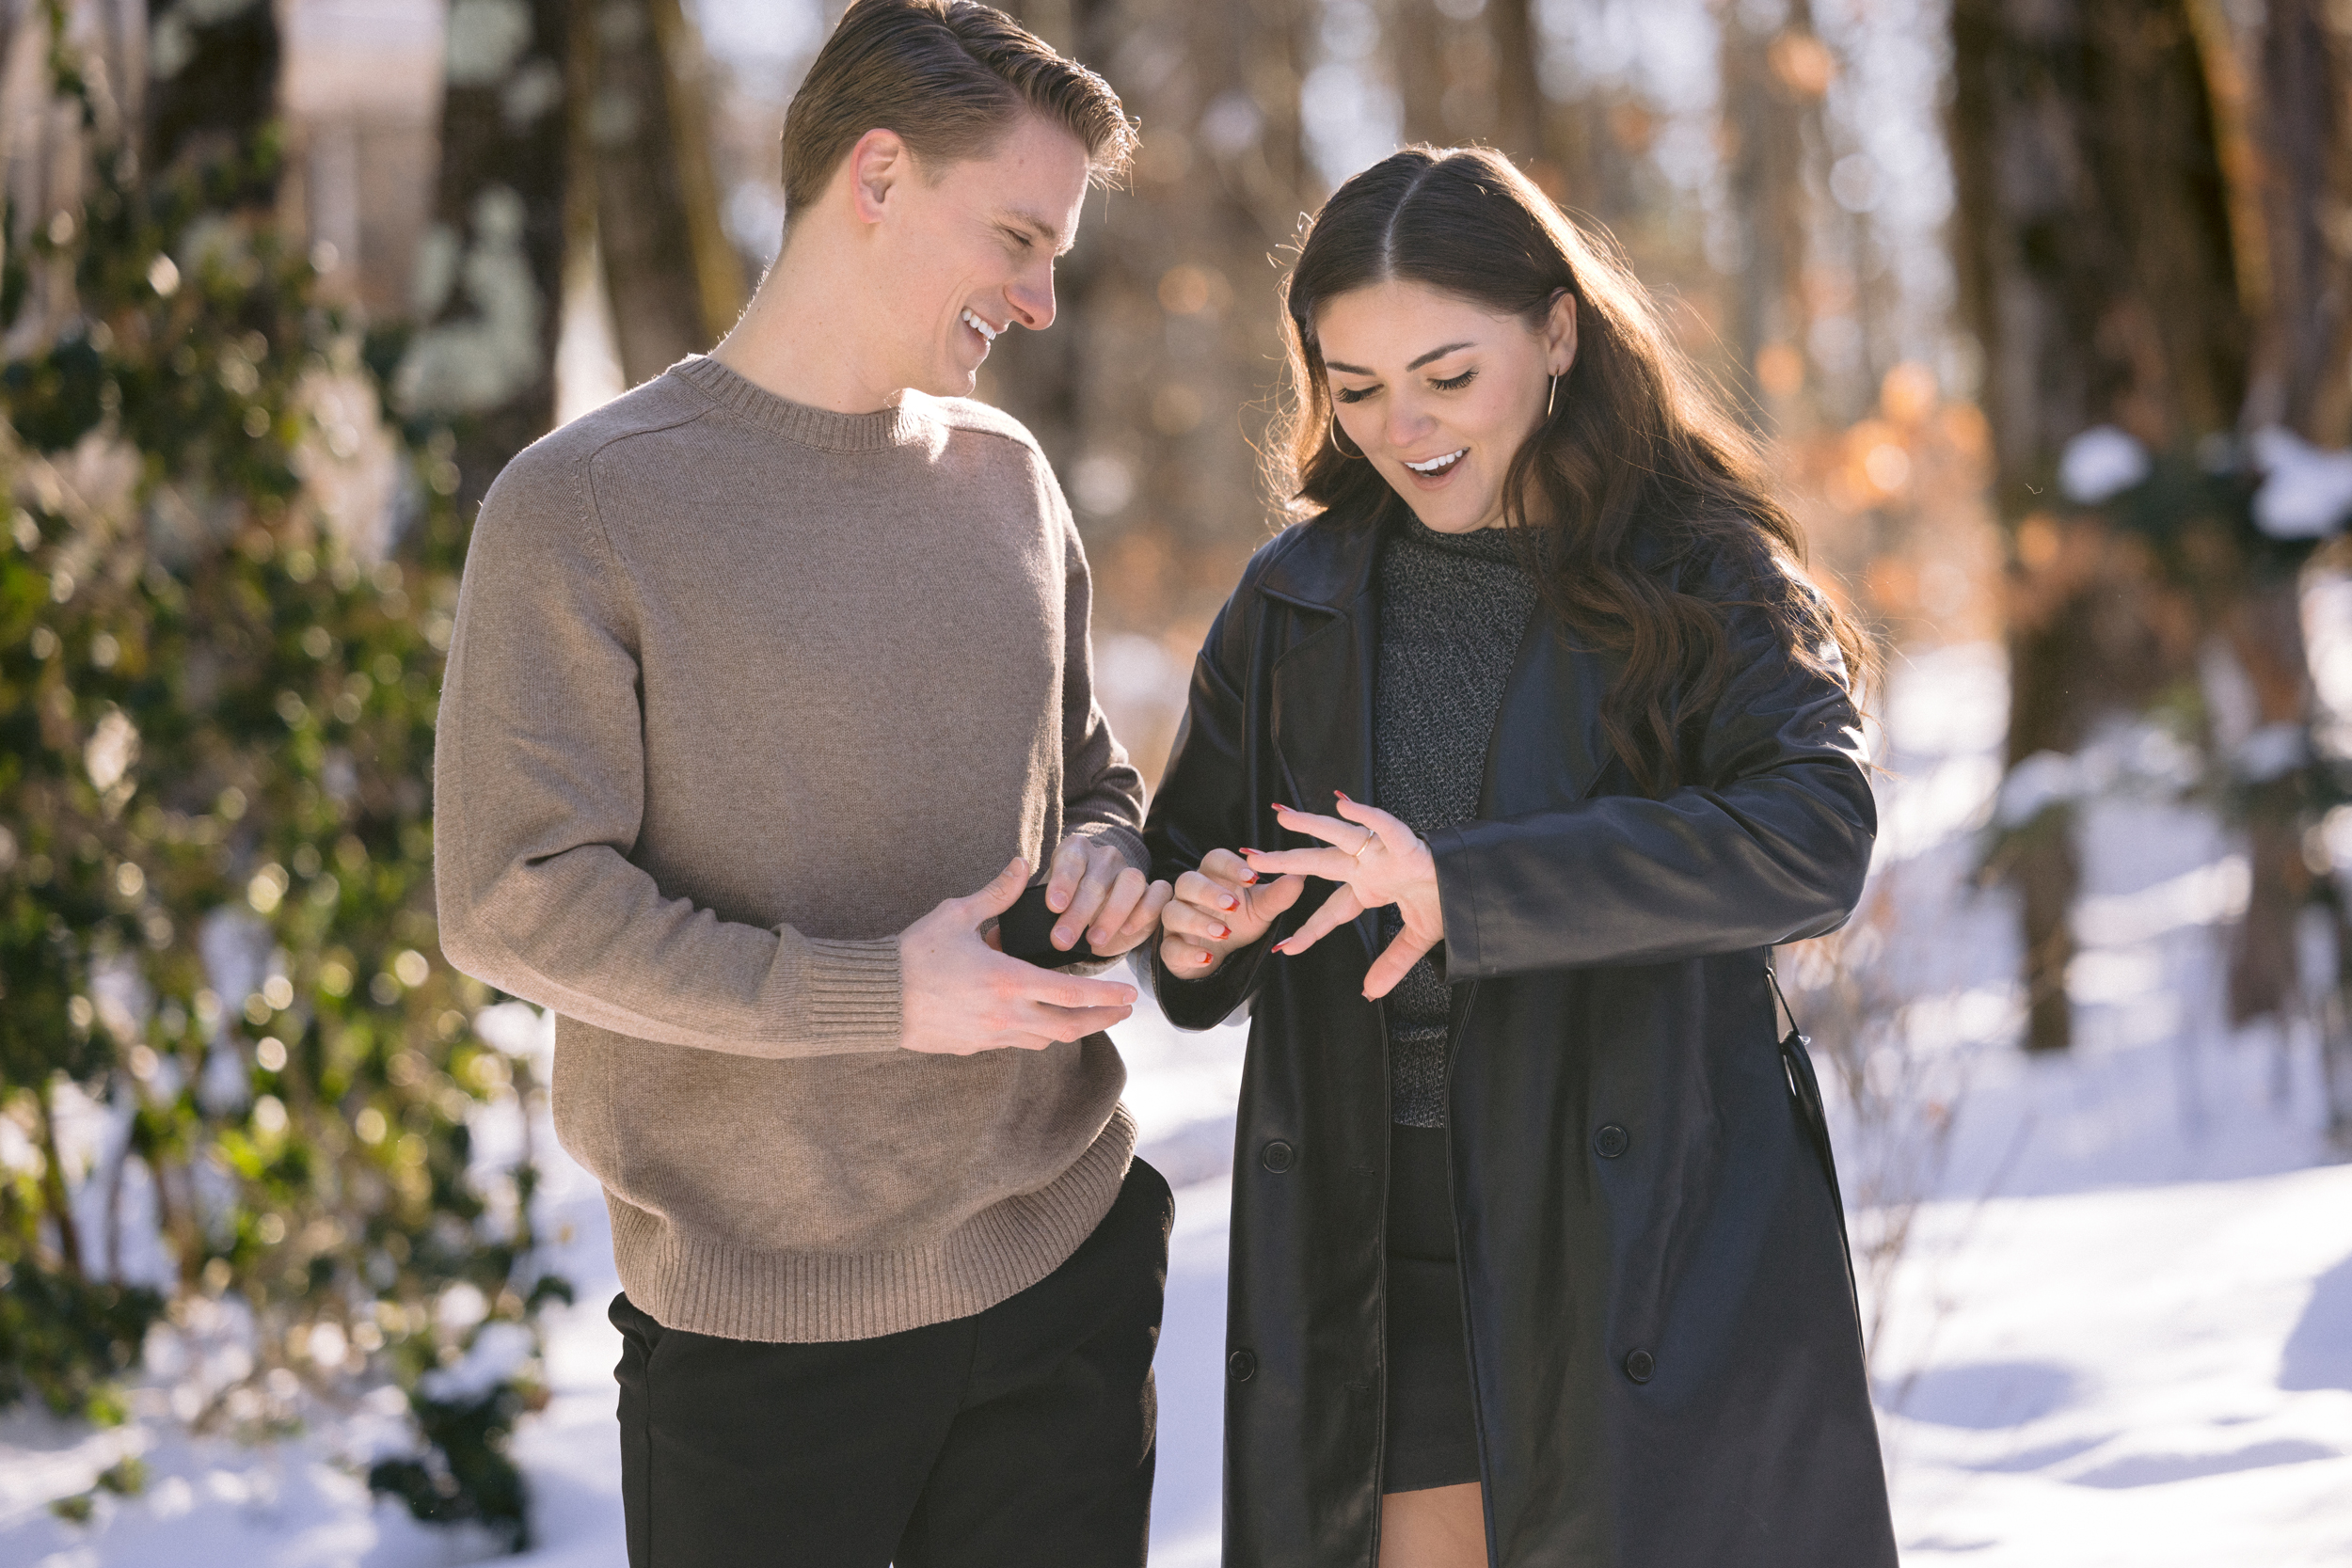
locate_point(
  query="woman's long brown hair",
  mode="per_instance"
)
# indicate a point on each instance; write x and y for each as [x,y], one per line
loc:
[1635,483]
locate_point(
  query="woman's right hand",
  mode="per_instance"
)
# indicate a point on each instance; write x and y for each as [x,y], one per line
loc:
[1218,911]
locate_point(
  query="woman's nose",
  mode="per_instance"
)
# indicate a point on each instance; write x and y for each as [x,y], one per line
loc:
[1408,423]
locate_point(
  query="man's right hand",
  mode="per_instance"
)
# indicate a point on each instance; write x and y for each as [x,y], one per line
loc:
[960,996]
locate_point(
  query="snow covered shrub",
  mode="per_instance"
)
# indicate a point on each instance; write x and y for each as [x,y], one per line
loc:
[226,588]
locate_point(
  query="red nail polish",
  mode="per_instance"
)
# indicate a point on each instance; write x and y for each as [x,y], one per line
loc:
[1246,850]
[1343,795]
[1204,957]
[1279,806]
[1232,903]
[1250,880]
[1277,948]
[1224,931]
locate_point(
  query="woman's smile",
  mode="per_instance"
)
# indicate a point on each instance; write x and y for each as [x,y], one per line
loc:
[1429,474]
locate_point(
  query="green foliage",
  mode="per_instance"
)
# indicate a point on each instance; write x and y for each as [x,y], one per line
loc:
[466,1476]
[125,1478]
[218,691]
[62,1337]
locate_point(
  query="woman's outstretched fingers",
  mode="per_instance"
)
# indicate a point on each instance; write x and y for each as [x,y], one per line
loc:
[1331,830]
[1395,959]
[1389,829]
[1336,911]
[1332,866]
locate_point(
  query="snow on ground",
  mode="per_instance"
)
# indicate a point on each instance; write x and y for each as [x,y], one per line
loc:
[2119,1333]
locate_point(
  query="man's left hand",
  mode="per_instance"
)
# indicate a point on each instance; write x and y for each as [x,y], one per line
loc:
[1100,896]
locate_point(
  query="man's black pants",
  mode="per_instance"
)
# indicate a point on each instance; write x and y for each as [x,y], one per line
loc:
[1019,1436]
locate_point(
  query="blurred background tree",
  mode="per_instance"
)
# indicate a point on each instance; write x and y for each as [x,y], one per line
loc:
[2140,190]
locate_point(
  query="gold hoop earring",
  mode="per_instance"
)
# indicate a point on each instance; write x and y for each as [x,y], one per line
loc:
[1335,439]
[1551,396]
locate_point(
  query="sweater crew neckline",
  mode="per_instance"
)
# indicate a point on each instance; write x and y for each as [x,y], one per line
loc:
[882,430]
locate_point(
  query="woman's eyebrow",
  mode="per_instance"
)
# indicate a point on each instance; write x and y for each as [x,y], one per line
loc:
[1433,354]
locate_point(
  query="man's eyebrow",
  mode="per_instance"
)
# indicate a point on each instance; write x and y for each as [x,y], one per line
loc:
[1433,354]
[1039,227]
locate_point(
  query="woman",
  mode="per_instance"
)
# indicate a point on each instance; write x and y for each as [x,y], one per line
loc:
[1533,1261]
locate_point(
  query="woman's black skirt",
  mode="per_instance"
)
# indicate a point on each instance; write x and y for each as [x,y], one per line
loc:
[1433,1430]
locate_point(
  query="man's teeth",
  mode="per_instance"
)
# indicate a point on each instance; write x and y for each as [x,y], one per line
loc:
[1438,464]
[980,326]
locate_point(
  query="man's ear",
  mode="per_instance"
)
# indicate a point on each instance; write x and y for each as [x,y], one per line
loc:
[1560,333]
[877,165]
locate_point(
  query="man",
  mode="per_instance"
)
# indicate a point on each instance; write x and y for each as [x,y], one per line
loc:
[758,670]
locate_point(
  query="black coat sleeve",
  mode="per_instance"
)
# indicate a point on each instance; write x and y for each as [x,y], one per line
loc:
[1772,848]
[1203,803]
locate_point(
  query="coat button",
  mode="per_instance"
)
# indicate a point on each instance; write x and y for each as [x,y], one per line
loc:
[1242,1365]
[1610,1141]
[1278,1156]
[1639,1365]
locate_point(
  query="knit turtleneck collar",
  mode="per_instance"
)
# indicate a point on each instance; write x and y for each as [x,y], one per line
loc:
[1485,544]
[910,424]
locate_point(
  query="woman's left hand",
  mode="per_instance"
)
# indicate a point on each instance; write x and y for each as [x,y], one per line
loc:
[1376,860]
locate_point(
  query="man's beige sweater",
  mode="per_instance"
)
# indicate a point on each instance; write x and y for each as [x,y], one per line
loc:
[739,688]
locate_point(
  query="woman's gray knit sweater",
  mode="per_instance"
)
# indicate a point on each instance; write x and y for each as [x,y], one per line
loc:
[1454,609]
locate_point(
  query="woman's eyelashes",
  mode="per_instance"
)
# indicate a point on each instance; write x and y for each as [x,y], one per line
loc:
[1444,383]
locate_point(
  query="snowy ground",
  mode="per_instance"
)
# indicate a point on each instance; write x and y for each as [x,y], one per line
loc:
[2120,1332]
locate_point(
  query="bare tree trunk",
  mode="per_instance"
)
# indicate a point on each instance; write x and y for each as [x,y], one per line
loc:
[674,281]
[1417,56]
[2304,132]
[490,271]
[2097,272]
[1519,90]
[2303,380]
[1771,86]
[1470,80]
[2279,93]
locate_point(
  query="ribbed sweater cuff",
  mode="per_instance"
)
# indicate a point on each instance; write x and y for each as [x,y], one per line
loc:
[851,991]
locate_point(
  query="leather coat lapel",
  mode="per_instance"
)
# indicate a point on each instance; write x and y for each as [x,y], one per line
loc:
[1547,748]
[1323,684]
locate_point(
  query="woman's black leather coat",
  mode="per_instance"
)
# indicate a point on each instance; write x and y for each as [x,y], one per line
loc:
[1665,1356]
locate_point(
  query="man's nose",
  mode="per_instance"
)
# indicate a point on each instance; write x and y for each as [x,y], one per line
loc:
[1031,296]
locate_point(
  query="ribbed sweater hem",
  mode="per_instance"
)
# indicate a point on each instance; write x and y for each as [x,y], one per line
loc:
[703,1286]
